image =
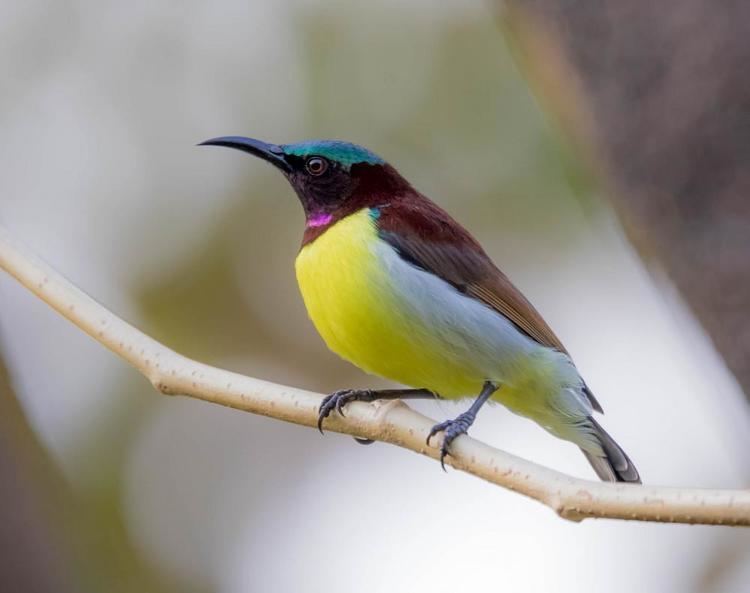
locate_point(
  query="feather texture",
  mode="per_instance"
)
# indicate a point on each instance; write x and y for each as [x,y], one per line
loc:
[429,238]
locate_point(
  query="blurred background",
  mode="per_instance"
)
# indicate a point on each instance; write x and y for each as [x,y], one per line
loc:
[107,486]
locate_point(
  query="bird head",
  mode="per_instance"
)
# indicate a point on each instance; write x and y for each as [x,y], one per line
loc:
[332,178]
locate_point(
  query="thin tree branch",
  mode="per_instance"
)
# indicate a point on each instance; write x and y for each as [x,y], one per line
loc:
[394,422]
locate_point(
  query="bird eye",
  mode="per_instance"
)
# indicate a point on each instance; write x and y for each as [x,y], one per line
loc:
[316,165]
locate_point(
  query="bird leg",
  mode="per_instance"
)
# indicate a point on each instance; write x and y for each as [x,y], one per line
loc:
[338,399]
[460,425]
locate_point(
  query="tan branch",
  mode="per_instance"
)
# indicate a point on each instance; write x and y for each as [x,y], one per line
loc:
[396,423]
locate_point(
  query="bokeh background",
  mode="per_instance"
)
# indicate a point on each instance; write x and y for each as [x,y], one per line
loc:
[107,486]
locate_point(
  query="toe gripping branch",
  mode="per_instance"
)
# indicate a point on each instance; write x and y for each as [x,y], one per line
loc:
[452,429]
[338,399]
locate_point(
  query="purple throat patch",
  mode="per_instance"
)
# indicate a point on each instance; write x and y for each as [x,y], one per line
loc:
[318,220]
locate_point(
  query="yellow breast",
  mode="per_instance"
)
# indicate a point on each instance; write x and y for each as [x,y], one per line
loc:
[393,320]
[338,277]
[349,298]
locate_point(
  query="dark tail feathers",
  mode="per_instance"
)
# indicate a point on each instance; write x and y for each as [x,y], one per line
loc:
[616,465]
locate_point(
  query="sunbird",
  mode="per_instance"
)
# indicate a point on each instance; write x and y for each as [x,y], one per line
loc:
[397,287]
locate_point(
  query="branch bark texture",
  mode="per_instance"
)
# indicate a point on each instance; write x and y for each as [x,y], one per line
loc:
[395,423]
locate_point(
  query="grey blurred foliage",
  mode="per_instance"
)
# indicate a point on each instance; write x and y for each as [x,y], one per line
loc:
[196,246]
[32,536]
[661,91]
[656,95]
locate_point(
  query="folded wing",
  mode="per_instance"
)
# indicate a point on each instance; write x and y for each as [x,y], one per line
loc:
[428,237]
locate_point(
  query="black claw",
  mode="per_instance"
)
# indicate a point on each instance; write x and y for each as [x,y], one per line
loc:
[451,429]
[436,429]
[341,402]
[363,441]
[326,407]
[337,400]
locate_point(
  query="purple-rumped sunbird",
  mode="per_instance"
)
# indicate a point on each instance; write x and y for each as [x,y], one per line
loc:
[397,287]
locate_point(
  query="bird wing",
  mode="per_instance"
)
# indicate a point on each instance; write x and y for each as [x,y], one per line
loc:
[426,236]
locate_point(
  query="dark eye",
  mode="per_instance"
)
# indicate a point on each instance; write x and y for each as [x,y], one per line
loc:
[316,165]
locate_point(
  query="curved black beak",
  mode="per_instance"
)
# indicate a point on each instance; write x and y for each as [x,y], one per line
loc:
[272,153]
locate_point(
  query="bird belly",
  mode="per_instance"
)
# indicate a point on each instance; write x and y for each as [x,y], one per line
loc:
[351,301]
[397,321]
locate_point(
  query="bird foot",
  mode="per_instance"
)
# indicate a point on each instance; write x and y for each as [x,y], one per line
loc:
[451,429]
[337,400]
